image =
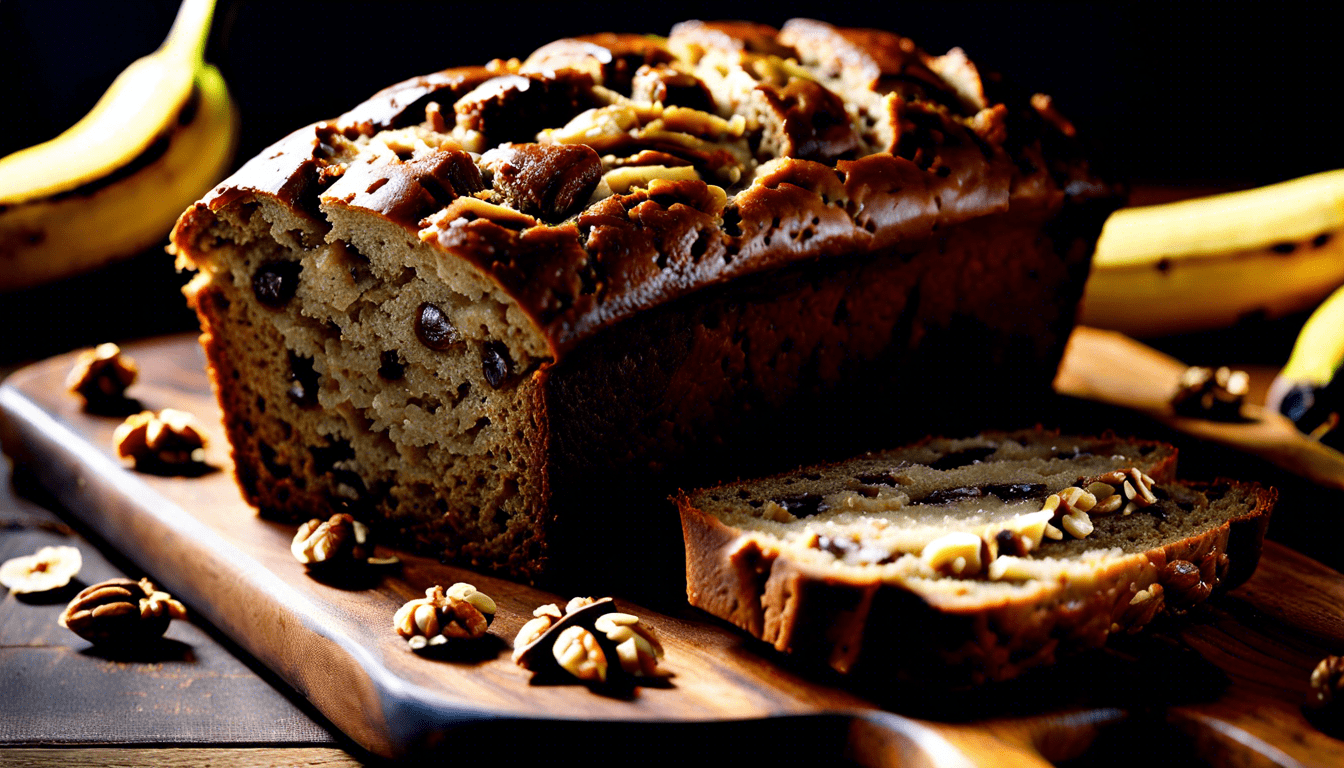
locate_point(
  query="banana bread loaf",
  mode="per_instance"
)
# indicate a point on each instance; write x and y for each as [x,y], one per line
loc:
[977,558]
[502,311]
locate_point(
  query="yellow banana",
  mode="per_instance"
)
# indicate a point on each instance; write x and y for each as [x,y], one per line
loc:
[114,183]
[1310,388]
[1206,263]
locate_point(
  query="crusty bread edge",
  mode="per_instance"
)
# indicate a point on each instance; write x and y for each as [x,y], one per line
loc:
[799,610]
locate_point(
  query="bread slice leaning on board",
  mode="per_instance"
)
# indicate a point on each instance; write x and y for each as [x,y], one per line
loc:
[975,558]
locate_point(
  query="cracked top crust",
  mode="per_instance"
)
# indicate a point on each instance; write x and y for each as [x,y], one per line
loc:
[611,173]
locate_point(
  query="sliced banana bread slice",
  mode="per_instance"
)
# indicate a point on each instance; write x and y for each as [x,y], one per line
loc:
[967,558]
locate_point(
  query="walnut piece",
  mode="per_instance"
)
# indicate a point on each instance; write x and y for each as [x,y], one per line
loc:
[101,375]
[121,612]
[1207,393]
[462,612]
[589,640]
[956,554]
[1327,681]
[340,539]
[577,652]
[49,568]
[637,647]
[164,440]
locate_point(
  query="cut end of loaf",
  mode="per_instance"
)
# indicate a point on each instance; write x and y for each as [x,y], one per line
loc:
[396,387]
[945,538]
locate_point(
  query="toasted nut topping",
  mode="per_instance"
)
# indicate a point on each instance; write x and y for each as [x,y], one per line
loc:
[460,613]
[700,123]
[1100,490]
[1113,478]
[121,611]
[619,181]
[1078,525]
[1009,568]
[471,208]
[1109,504]
[1031,527]
[49,568]
[1051,532]
[957,553]
[577,652]
[1076,499]
[102,374]
[1137,489]
[340,539]
[600,128]
[167,439]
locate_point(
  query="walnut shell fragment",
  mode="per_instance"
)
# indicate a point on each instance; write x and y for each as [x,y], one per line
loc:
[48,569]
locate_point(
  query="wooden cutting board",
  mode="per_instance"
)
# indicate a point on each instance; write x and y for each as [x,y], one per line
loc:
[1225,685]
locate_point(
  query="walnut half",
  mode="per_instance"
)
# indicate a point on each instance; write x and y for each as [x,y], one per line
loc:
[461,612]
[121,612]
[589,641]
[169,439]
[339,539]
[101,375]
[49,568]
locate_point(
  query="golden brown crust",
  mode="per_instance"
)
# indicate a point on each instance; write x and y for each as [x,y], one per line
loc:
[790,258]
[832,618]
[947,168]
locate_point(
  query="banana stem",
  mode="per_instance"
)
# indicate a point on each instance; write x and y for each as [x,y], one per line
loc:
[191,30]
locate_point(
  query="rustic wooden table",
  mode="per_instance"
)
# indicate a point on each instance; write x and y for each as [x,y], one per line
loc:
[200,700]
[195,700]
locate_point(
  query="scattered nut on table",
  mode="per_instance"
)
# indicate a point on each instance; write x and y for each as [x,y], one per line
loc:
[339,539]
[1208,393]
[1327,682]
[48,569]
[101,375]
[637,646]
[169,439]
[461,612]
[590,641]
[121,612]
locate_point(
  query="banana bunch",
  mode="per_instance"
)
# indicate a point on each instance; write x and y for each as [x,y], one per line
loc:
[1206,263]
[1310,388]
[114,183]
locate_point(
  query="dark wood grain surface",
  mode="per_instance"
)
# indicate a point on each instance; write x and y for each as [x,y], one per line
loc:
[1224,685]
[187,689]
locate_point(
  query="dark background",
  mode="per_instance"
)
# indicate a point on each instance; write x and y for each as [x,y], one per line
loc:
[1183,94]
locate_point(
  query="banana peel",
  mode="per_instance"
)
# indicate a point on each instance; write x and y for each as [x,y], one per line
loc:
[1207,263]
[1310,388]
[114,183]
